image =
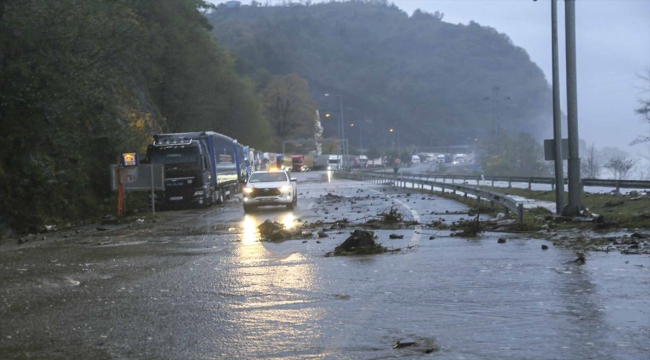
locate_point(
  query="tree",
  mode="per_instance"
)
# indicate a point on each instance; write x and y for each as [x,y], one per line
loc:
[621,167]
[289,107]
[373,152]
[590,165]
[513,155]
[644,107]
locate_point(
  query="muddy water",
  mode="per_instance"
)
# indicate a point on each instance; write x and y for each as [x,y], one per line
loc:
[221,293]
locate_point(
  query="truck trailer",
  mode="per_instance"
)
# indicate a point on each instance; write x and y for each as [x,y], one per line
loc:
[201,168]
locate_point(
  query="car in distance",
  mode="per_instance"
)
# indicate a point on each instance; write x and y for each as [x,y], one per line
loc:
[272,187]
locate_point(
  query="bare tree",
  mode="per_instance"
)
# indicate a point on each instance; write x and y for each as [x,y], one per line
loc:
[621,167]
[644,106]
[590,167]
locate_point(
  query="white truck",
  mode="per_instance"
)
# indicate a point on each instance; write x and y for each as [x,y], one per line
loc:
[334,162]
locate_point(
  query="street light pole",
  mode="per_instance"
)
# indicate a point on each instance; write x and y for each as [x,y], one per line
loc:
[360,136]
[557,115]
[575,192]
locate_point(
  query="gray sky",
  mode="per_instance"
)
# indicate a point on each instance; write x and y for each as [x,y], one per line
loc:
[613,45]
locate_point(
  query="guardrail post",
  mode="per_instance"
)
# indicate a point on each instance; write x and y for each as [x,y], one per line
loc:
[478,181]
[530,184]
[553,185]
[478,198]
[493,181]
[509,182]
[520,213]
[507,211]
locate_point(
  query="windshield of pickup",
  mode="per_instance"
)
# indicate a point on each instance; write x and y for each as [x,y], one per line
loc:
[175,156]
[268,177]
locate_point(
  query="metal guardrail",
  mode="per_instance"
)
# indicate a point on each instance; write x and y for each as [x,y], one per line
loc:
[618,184]
[401,180]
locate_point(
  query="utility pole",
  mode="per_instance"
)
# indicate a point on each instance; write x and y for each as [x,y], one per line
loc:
[557,115]
[575,192]
[344,150]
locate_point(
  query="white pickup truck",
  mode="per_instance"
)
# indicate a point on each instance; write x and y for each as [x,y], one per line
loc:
[273,187]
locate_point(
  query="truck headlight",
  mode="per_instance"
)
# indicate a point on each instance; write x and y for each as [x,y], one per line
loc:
[248,190]
[285,188]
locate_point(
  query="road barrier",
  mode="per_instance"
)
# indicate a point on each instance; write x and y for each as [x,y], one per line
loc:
[617,184]
[401,180]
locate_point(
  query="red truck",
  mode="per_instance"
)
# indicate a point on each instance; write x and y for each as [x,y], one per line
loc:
[297,162]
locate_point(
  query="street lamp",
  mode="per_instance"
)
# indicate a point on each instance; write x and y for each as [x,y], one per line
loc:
[341,130]
[394,131]
[360,136]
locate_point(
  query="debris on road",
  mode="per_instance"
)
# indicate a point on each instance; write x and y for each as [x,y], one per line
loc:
[395,236]
[392,216]
[360,242]
[404,343]
[467,228]
[268,227]
[581,259]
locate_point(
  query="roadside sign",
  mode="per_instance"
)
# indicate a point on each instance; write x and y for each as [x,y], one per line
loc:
[549,149]
[139,177]
[128,174]
[129,159]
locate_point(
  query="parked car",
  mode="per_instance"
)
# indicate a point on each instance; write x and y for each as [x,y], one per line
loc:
[273,187]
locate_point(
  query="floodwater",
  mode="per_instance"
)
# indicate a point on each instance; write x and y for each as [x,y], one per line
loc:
[201,285]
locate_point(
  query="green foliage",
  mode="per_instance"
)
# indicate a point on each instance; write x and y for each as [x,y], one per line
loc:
[419,74]
[84,80]
[513,155]
[374,152]
[289,107]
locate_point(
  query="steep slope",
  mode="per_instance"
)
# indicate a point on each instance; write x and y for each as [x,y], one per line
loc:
[430,80]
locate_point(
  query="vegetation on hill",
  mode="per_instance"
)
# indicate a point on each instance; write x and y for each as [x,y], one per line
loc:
[82,81]
[432,81]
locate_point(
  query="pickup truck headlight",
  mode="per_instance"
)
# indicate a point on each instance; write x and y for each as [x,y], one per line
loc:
[285,188]
[248,190]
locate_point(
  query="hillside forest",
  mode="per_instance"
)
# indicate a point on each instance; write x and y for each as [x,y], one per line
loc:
[82,81]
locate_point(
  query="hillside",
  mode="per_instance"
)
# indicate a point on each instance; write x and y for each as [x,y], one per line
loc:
[430,80]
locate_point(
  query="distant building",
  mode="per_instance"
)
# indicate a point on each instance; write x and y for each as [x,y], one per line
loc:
[233,4]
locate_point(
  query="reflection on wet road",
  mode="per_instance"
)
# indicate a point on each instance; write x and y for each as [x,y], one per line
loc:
[206,287]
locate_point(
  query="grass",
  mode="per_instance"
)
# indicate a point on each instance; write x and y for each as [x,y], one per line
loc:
[618,210]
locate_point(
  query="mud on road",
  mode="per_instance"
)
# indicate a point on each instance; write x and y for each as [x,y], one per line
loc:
[202,283]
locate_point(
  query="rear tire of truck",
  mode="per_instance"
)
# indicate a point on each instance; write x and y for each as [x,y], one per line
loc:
[248,209]
[290,206]
[219,196]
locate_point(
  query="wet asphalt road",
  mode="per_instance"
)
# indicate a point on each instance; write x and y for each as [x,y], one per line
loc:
[198,284]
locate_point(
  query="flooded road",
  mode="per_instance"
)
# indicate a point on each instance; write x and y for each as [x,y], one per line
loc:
[199,284]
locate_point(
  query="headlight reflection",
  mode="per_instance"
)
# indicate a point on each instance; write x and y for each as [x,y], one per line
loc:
[250,230]
[288,221]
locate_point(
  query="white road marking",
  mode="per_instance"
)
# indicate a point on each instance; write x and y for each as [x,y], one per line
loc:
[415,239]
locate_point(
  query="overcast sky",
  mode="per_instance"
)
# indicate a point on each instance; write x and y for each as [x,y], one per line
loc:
[613,46]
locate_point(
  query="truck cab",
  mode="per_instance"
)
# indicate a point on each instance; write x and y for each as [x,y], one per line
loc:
[201,168]
[334,162]
[297,162]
